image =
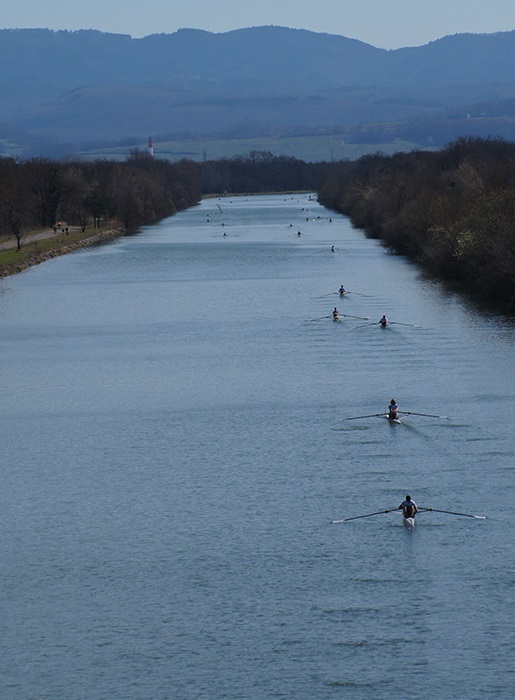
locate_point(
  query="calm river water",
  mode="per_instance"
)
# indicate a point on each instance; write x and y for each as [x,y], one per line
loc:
[172,459]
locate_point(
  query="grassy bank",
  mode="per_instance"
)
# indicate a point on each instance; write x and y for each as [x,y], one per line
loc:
[38,246]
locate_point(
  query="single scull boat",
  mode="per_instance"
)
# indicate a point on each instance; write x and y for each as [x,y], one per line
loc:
[409,523]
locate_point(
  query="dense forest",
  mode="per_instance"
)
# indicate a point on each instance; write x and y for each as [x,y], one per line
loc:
[258,171]
[37,193]
[452,210]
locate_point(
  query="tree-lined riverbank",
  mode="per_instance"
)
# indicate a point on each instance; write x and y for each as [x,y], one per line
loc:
[452,211]
[40,194]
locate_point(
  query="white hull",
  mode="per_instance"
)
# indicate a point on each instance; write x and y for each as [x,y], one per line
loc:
[393,420]
[409,523]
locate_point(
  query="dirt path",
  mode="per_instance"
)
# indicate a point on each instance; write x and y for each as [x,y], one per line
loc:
[61,246]
[11,242]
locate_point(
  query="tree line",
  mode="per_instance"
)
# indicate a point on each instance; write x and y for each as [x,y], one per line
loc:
[452,210]
[39,193]
[258,171]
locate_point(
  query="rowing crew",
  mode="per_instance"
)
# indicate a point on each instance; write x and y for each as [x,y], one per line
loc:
[409,509]
[335,314]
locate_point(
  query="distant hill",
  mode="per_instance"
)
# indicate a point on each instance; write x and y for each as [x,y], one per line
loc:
[62,91]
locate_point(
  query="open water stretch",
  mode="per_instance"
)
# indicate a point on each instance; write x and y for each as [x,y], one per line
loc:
[172,459]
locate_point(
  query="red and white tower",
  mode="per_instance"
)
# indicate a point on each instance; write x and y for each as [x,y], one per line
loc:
[150,146]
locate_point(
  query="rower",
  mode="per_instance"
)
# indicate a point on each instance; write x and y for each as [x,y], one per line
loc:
[392,410]
[384,321]
[408,507]
[335,314]
[332,249]
[341,291]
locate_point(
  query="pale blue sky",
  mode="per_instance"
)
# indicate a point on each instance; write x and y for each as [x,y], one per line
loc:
[382,23]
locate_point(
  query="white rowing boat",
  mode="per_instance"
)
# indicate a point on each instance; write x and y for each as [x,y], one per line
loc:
[401,415]
[409,523]
[394,420]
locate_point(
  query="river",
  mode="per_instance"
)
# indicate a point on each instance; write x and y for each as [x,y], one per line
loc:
[173,458]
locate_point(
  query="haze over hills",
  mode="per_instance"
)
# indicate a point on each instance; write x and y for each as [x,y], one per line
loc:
[61,91]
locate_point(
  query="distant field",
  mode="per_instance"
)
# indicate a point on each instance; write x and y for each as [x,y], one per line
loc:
[307,148]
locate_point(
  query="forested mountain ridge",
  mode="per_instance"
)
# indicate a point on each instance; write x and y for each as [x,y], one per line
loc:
[88,85]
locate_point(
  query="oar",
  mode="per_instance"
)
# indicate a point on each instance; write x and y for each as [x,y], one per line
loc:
[451,512]
[322,296]
[319,318]
[365,325]
[427,415]
[368,515]
[363,318]
[370,415]
[359,294]
[398,323]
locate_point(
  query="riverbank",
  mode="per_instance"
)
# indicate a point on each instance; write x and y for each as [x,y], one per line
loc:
[44,245]
[452,212]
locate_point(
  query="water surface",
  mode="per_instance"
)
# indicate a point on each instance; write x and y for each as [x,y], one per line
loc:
[172,459]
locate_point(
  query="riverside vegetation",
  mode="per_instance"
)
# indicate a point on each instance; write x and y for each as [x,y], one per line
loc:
[452,210]
[85,202]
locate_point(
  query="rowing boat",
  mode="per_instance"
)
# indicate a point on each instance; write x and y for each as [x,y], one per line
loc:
[401,415]
[394,420]
[409,523]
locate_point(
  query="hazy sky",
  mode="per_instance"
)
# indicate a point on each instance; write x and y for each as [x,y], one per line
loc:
[382,23]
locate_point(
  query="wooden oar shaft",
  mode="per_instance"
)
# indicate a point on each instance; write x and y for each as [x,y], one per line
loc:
[368,515]
[427,415]
[370,415]
[452,512]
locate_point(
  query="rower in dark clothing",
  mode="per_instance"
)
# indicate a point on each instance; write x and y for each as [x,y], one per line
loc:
[408,507]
